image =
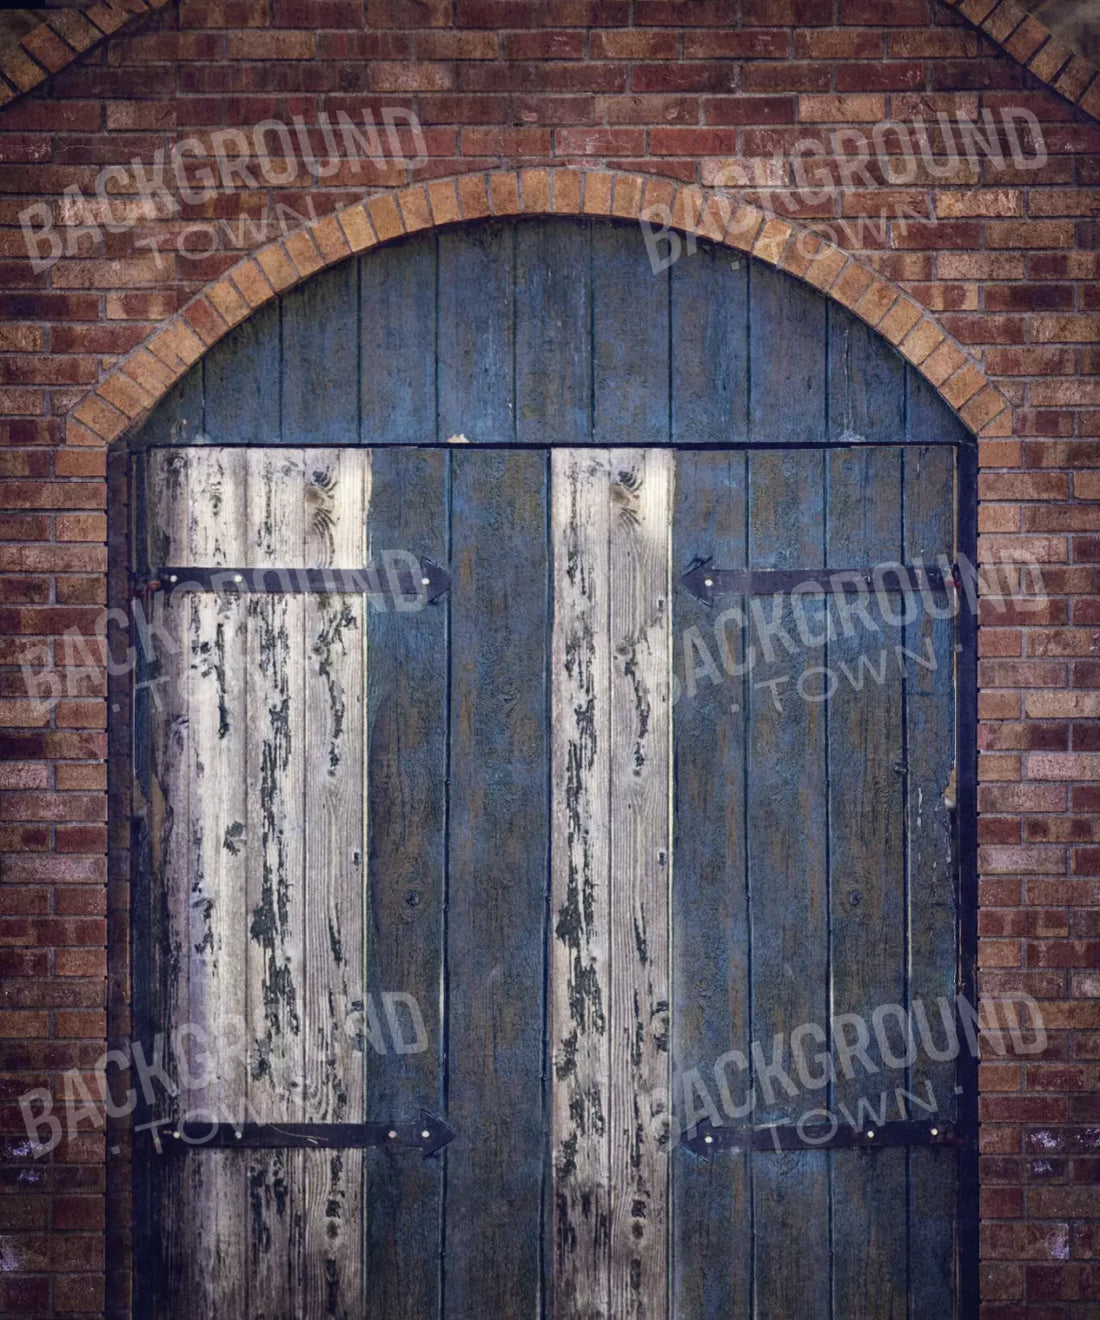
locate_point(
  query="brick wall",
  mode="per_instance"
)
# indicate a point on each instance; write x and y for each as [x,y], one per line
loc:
[1003,262]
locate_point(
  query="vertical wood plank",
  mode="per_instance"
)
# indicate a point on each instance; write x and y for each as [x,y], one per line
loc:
[553,345]
[407,705]
[787,360]
[320,359]
[709,346]
[476,334]
[930,500]
[710,1205]
[867,953]
[929,419]
[242,382]
[398,344]
[787,880]
[866,382]
[162,715]
[630,355]
[580,897]
[178,418]
[275,967]
[497,881]
[336,496]
[218,792]
[639,558]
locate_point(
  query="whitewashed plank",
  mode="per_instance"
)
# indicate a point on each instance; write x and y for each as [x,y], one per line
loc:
[580,882]
[640,819]
[275,827]
[217,646]
[336,492]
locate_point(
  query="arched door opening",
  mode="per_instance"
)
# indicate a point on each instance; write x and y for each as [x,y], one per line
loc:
[551,905]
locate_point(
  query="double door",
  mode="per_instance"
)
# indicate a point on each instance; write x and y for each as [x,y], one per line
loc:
[547,891]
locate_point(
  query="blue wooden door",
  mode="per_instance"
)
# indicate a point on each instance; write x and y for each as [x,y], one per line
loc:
[635,825]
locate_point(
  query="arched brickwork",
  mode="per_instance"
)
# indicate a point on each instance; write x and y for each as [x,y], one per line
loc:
[137,383]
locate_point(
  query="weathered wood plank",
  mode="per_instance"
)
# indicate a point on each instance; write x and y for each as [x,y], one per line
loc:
[398,344]
[630,354]
[580,893]
[336,496]
[178,418]
[641,496]
[242,383]
[787,880]
[476,334]
[320,359]
[929,492]
[497,881]
[867,953]
[930,420]
[218,791]
[709,347]
[787,365]
[710,1210]
[407,705]
[275,899]
[553,345]
[162,714]
[866,382]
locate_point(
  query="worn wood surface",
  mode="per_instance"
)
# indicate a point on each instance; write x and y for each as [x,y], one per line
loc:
[866,775]
[555,810]
[787,880]
[497,876]
[407,706]
[710,1207]
[639,818]
[549,331]
[580,885]
[553,311]
[929,471]
[475,317]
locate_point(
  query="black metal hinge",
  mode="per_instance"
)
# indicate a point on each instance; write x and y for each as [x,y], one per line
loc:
[704,1139]
[705,582]
[429,1135]
[428,581]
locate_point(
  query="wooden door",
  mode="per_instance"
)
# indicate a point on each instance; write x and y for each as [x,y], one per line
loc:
[485,897]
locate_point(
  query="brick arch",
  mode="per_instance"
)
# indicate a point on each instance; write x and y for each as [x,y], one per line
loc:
[121,400]
[1031,43]
[63,38]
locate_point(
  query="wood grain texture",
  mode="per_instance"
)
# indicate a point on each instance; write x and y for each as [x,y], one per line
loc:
[630,330]
[398,344]
[217,791]
[319,341]
[709,345]
[929,484]
[242,377]
[476,334]
[787,359]
[518,786]
[641,495]
[336,497]
[580,893]
[710,1208]
[407,705]
[162,715]
[867,890]
[866,382]
[787,880]
[553,293]
[498,873]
